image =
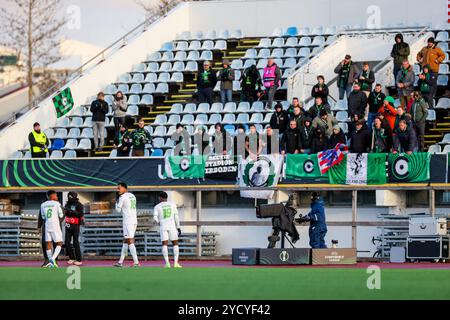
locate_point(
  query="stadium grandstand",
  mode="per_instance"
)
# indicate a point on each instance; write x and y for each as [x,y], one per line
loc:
[376,159]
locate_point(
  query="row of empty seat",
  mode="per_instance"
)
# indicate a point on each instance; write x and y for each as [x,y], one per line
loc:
[291,42]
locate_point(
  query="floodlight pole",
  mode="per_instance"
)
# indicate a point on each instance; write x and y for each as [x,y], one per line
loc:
[354,216]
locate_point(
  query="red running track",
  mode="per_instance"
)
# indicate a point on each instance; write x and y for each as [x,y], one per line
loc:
[228,264]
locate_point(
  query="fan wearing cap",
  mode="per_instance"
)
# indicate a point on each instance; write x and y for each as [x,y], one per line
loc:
[226,78]
[38,142]
[360,139]
[74,212]
[431,56]
[279,120]
[347,72]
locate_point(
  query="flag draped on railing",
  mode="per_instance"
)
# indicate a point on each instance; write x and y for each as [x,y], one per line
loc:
[329,158]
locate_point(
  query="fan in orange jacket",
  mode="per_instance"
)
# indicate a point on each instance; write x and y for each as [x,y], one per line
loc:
[389,111]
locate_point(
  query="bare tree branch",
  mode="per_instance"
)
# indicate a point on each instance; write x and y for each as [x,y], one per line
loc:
[31,28]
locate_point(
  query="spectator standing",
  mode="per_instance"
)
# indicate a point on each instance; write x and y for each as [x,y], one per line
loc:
[306,136]
[419,114]
[221,141]
[432,56]
[336,137]
[366,78]
[201,140]
[375,101]
[320,89]
[388,111]
[298,115]
[295,103]
[380,139]
[279,120]
[271,142]
[405,82]
[182,141]
[405,139]
[400,52]
[357,101]
[119,107]
[314,111]
[325,122]
[140,137]
[226,77]
[74,212]
[290,139]
[206,81]
[239,142]
[38,142]
[251,84]
[319,141]
[347,74]
[425,83]
[272,81]
[99,109]
[401,115]
[253,143]
[123,142]
[360,140]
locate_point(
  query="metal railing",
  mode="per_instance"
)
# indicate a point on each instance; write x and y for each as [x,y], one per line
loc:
[77,73]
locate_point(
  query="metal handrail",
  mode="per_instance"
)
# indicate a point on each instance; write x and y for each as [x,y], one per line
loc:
[100,57]
[382,63]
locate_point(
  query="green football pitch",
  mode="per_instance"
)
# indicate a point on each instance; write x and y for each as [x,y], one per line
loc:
[223,283]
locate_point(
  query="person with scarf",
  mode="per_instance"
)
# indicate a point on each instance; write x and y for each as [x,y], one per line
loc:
[119,107]
[320,89]
[226,77]
[419,114]
[375,101]
[314,111]
[306,134]
[381,141]
[432,56]
[366,78]
[425,83]
[347,72]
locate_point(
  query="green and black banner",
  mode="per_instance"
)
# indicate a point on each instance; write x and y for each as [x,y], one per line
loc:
[148,172]
[63,102]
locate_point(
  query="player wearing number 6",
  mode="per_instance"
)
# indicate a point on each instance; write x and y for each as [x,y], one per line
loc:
[127,206]
[166,214]
[51,213]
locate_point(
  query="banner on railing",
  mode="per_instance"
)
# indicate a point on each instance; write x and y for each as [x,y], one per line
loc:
[263,172]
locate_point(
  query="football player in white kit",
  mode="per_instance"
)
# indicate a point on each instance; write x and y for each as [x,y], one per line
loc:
[166,214]
[51,212]
[127,206]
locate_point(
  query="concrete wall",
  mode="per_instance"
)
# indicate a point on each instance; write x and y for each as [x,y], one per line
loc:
[261,17]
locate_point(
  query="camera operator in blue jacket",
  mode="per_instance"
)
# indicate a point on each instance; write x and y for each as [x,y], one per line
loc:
[317,222]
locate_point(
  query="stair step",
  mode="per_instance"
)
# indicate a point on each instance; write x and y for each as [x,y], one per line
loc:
[181,96]
[250,41]
[443,124]
[440,129]
[236,53]
[245,47]
[156,112]
[431,136]
[191,85]
[186,90]
[174,101]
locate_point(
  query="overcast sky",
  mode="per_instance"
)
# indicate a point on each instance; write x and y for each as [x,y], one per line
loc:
[101,21]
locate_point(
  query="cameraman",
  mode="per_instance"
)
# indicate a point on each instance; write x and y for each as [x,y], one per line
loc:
[226,77]
[318,224]
[74,212]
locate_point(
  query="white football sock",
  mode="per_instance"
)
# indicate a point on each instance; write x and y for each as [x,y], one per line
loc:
[49,254]
[133,253]
[176,253]
[165,252]
[124,252]
[56,253]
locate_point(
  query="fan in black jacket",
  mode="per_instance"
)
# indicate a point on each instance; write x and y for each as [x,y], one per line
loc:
[306,136]
[280,119]
[74,212]
[360,139]
[336,138]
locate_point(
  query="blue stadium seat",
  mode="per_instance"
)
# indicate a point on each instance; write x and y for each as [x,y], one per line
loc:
[58,144]
[291,32]
[157,153]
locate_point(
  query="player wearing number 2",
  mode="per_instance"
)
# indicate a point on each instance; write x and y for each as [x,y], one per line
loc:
[51,213]
[127,206]
[166,214]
